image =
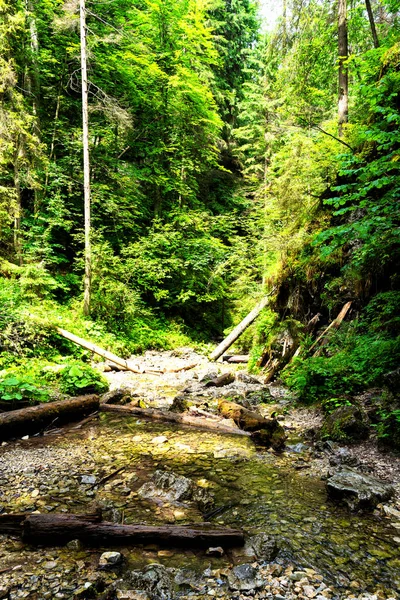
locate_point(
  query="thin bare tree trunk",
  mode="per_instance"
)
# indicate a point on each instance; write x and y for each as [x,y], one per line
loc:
[86,163]
[343,48]
[372,23]
[18,207]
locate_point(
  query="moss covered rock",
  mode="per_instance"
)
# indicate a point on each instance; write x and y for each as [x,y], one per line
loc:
[346,423]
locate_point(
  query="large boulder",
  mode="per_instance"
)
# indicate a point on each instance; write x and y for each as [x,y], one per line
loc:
[357,490]
[346,423]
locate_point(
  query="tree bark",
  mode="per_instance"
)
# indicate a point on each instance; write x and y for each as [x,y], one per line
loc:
[372,23]
[343,49]
[126,364]
[33,419]
[239,329]
[334,325]
[268,432]
[86,162]
[171,417]
[56,529]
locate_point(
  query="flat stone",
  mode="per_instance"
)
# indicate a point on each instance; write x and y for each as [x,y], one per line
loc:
[358,490]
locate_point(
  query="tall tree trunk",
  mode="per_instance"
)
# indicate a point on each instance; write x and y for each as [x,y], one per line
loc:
[343,107]
[86,164]
[372,23]
[18,206]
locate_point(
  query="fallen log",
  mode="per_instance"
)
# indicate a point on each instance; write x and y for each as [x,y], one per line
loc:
[239,329]
[267,432]
[34,419]
[56,529]
[121,362]
[334,325]
[170,417]
[236,358]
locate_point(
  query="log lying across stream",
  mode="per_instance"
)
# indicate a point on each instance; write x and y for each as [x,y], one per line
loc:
[35,419]
[56,529]
[267,432]
[171,417]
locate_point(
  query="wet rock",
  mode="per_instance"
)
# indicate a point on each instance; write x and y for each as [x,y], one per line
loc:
[246,378]
[357,490]
[155,580]
[88,479]
[122,395]
[75,545]
[344,457]
[180,404]
[217,551]
[224,379]
[173,488]
[208,376]
[244,578]
[110,559]
[265,546]
[346,423]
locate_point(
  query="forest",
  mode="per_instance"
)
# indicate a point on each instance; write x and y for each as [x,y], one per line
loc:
[166,166]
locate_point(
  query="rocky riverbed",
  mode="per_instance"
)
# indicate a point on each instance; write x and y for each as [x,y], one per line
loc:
[299,544]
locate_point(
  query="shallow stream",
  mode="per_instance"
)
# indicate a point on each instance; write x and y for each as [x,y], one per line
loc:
[260,491]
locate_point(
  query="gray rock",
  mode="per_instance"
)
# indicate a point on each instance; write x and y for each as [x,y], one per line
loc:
[357,490]
[244,578]
[110,559]
[132,595]
[74,545]
[155,580]
[173,488]
[265,546]
[88,479]
[246,378]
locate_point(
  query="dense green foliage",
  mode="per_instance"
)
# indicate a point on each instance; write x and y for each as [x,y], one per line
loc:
[217,172]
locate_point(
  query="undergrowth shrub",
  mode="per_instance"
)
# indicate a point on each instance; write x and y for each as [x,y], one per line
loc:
[357,356]
[76,379]
[16,389]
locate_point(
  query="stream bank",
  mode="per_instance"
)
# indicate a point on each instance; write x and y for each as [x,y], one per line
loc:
[324,551]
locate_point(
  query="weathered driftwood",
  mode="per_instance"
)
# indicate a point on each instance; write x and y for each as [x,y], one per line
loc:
[236,358]
[170,417]
[34,419]
[56,529]
[265,431]
[334,325]
[121,362]
[239,329]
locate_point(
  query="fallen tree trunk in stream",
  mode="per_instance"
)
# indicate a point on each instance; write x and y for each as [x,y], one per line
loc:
[267,432]
[34,419]
[56,529]
[239,329]
[170,417]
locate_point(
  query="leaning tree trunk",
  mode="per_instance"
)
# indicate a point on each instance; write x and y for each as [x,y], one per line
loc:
[239,329]
[372,23]
[343,48]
